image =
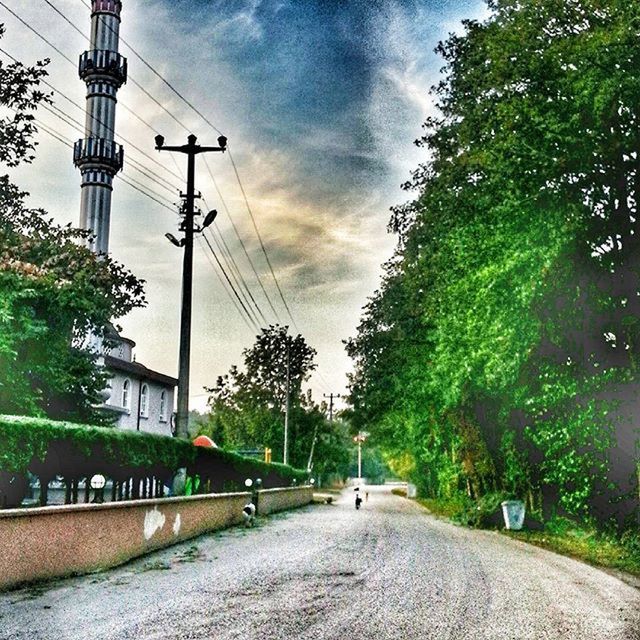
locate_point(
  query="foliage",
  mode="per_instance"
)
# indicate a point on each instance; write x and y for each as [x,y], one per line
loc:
[50,448]
[499,353]
[53,291]
[247,407]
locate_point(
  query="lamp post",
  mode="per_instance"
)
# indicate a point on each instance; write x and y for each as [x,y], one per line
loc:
[97,484]
[191,149]
[360,438]
[257,485]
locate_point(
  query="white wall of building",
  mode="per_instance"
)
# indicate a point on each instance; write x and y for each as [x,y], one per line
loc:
[134,416]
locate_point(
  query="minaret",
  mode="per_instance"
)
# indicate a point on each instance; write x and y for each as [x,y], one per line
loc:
[97,156]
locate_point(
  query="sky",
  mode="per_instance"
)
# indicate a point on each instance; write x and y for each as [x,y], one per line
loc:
[320,100]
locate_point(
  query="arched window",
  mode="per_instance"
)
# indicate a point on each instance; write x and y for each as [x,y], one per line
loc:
[144,401]
[126,394]
[163,406]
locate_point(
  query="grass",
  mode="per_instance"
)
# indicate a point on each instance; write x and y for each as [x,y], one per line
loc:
[565,537]
[587,545]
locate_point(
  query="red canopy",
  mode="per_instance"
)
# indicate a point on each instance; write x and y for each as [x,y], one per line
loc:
[205,441]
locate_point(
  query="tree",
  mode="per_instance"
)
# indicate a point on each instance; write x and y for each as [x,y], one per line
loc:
[247,407]
[510,305]
[54,292]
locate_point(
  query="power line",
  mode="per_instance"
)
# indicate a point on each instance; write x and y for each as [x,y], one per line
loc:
[69,143]
[225,275]
[242,244]
[264,250]
[78,126]
[235,279]
[226,289]
[207,121]
[75,124]
[227,252]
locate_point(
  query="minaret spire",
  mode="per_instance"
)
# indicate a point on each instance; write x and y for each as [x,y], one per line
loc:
[97,156]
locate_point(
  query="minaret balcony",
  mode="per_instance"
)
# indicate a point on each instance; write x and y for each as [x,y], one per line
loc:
[102,62]
[98,153]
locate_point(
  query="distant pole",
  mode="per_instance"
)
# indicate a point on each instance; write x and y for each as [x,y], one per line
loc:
[331,396]
[360,438]
[191,149]
[285,456]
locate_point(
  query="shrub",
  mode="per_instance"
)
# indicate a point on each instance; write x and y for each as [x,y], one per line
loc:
[48,449]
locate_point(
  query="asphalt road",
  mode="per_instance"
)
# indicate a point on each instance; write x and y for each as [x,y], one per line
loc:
[388,571]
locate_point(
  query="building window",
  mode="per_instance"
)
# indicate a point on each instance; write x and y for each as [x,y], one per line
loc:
[144,401]
[126,394]
[163,406]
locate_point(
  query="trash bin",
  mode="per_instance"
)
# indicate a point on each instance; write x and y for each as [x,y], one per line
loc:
[513,512]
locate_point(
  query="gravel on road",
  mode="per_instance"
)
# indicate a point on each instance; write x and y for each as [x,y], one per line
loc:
[389,571]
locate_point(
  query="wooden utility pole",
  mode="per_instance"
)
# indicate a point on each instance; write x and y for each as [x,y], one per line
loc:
[331,396]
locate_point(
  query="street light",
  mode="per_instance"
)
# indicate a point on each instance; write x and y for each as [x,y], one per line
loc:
[209,218]
[249,483]
[191,149]
[173,240]
[360,438]
[98,482]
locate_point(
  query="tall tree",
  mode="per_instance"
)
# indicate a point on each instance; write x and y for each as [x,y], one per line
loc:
[517,264]
[247,406]
[53,291]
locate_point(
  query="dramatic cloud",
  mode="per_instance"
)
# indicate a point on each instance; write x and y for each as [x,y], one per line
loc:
[321,102]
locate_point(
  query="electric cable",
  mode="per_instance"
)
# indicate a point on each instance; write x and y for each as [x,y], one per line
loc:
[263,248]
[225,274]
[242,244]
[225,287]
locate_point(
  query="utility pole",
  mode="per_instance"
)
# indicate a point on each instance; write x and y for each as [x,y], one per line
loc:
[285,456]
[331,396]
[191,149]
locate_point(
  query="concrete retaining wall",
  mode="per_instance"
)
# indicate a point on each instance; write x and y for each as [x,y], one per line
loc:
[57,541]
[273,500]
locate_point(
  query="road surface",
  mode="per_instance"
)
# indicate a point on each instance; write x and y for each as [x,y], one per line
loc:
[388,571]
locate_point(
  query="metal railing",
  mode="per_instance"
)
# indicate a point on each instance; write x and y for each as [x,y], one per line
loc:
[103,62]
[99,151]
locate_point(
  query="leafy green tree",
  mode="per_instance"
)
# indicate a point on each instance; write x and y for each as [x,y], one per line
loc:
[53,291]
[247,406]
[511,303]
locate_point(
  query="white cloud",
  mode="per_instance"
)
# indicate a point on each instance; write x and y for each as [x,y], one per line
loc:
[326,239]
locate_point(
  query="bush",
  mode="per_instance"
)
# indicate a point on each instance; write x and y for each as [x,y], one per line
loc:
[48,449]
[485,513]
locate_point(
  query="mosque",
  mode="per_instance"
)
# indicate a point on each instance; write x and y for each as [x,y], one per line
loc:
[139,398]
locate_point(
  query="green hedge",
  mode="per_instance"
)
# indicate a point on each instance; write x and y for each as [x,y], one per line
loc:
[48,449]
